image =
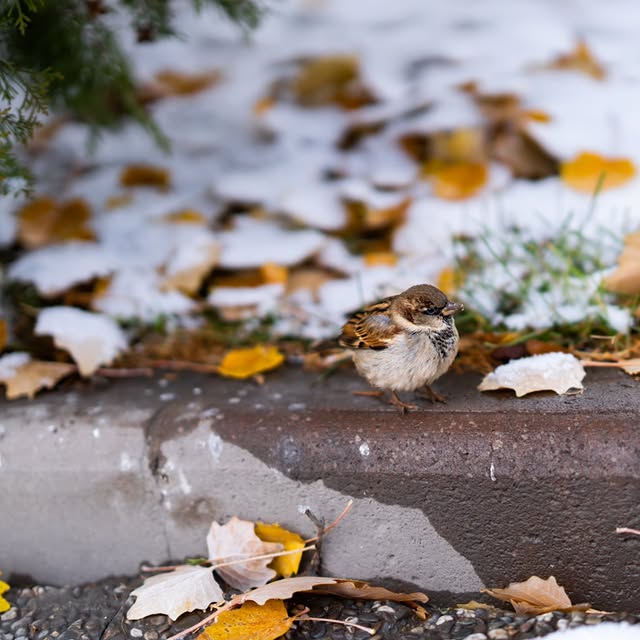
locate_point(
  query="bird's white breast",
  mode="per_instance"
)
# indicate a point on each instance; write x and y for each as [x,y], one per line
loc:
[410,362]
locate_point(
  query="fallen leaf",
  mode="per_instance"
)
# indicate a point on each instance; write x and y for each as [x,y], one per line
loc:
[4,604]
[538,347]
[235,540]
[190,264]
[535,596]
[450,280]
[525,156]
[92,339]
[626,278]
[283,589]
[474,605]
[44,221]
[557,372]
[455,181]
[284,566]
[588,170]
[117,201]
[170,82]
[380,259]
[580,59]
[186,216]
[364,216]
[145,175]
[34,375]
[309,279]
[244,363]
[251,621]
[176,592]
[630,365]
[331,80]
[4,334]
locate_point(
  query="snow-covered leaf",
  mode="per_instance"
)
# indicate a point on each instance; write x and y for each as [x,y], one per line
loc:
[176,592]
[236,540]
[92,339]
[56,268]
[557,372]
[190,263]
[24,377]
[626,278]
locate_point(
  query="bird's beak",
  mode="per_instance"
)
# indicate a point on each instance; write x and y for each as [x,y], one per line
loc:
[452,308]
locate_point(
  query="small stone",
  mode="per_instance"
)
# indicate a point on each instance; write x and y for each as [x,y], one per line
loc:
[416,631]
[152,634]
[545,617]
[136,633]
[592,618]
[562,624]
[444,620]
[498,634]
[385,608]
[157,620]
[12,614]
[477,636]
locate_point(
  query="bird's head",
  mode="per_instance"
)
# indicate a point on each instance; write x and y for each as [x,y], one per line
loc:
[424,308]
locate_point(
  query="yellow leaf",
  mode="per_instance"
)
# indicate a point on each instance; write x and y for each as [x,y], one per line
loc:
[145,175]
[534,596]
[4,334]
[587,170]
[4,605]
[537,115]
[244,363]
[177,83]
[44,221]
[251,621]
[284,566]
[457,180]
[35,375]
[274,273]
[448,280]
[186,216]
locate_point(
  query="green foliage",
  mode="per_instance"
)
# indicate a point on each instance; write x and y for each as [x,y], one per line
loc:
[65,54]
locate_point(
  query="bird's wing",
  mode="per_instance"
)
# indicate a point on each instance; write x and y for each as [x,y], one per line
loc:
[370,328]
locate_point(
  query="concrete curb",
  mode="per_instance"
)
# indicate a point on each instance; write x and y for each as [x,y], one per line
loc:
[485,490]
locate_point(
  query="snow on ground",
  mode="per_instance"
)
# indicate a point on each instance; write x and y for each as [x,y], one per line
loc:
[272,163]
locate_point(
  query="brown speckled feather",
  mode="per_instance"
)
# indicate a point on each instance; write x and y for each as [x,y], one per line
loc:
[370,328]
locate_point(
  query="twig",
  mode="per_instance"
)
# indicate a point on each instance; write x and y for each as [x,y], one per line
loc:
[183,365]
[204,622]
[264,556]
[123,372]
[635,532]
[331,526]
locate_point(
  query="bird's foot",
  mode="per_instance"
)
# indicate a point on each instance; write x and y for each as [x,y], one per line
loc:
[403,406]
[432,395]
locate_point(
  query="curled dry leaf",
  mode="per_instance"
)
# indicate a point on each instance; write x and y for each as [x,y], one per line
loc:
[91,338]
[251,621]
[626,278]
[580,59]
[535,595]
[284,566]
[170,82]
[25,377]
[588,171]
[283,589]
[244,363]
[557,372]
[176,592]
[235,540]
[145,175]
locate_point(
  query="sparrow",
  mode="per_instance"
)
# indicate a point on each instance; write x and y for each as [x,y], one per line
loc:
[404,342]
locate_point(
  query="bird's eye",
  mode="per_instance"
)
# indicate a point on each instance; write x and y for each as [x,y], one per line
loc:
[431,311]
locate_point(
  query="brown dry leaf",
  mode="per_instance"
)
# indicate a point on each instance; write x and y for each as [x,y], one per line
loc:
[34,375]
[186,216]
[559,372]
[145,175]
[235,540]
[626,278]
[310,278]
[589,170]
[170,82]
[4,334]
[284,566]
[45,221]
[331,80]
[474,605]
[364,217]
[456,181]
[580,59]
[244,363]
[525,156]
[537,347]
[251,621]
[535,596]
[175,592]
[630,366]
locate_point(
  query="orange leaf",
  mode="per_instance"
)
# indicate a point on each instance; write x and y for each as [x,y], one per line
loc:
[456,181]
[251,621]
[145,175]
[380,259]
[580,59]
[244,363]
[177,83]
[186,216]
[4,334]
[588,169]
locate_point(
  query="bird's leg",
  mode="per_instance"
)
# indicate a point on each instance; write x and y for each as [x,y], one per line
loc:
[403,406]
[432,395]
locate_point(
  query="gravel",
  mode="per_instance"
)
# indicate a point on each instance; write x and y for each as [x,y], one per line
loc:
[97,611]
